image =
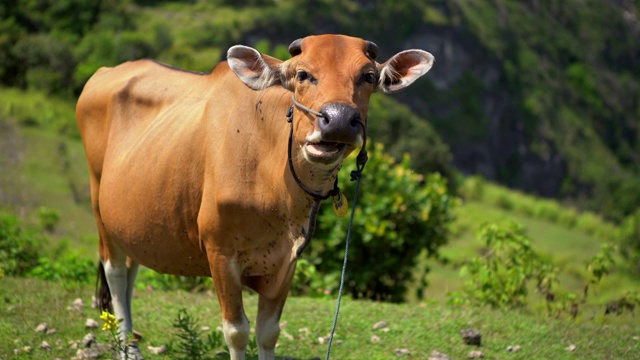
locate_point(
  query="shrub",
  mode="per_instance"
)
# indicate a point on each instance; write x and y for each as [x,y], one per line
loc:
[308,281]
[599,266]
[190,344]
[502,275]
[71,267]
[399,215]
[149,279]
[19,249]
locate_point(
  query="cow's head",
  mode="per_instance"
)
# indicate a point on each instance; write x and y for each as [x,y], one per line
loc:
[334,75]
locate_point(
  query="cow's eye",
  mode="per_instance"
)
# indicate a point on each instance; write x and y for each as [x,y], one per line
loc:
[303,75]
[370,78]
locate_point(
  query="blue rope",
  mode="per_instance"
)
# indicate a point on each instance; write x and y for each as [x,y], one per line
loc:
[344,264]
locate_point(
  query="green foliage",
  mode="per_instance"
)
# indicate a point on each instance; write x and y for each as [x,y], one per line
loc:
[19,248]
[599,266]
[627,303]
[399,215]
[48,218]
[502,275]
[22,254]
[35,108]
[308,281]
[149,279]
[190,345]
[69,268]
[510,268]
[403,132]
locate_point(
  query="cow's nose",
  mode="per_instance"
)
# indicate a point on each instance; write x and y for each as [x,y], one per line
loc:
[340,123]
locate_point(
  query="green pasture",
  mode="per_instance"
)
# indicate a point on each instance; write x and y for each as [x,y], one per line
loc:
[418,328]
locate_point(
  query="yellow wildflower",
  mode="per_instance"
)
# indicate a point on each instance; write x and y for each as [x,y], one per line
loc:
[110,322]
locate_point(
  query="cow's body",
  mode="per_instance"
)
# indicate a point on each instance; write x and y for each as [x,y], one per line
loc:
[153,171]
[189,172]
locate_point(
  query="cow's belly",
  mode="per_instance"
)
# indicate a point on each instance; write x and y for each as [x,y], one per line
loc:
[153,226]
[158,247]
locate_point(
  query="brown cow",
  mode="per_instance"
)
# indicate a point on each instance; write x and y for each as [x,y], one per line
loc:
[190,172]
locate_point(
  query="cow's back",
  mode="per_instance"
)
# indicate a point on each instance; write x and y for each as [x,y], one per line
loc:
[119,102]
[143,130]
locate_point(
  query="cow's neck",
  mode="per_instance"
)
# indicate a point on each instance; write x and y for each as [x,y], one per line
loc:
[318,180]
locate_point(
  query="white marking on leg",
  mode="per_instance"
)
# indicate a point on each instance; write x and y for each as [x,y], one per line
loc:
[116,274]
[121,280]
[237,338]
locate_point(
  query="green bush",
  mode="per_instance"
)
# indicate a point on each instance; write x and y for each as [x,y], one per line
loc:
[70,267]
[308,281]
[190,345]
[399,215]
[403,132]
[149,279]
[502,275]
[19,249]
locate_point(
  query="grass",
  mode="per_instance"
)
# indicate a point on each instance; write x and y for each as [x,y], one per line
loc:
[419,328]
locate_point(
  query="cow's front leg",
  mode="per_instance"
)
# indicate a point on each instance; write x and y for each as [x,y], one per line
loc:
[235,326]
[268,322]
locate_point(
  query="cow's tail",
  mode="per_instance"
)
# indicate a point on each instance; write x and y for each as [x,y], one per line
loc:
[103,295]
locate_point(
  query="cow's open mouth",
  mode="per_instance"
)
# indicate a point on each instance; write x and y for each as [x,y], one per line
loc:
[324,151]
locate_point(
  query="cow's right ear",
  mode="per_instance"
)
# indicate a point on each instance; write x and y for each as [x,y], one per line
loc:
[256,70]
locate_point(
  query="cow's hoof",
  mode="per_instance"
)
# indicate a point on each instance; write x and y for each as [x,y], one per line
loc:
[132,353]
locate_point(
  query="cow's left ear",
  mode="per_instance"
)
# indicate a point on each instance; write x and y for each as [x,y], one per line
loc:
[257,70]
[403,69]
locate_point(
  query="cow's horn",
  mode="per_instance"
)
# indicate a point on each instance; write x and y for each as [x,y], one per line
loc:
[372,50]
[296,47]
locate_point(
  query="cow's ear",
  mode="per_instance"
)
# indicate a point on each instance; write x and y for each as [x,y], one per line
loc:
[403,69]
[257,70]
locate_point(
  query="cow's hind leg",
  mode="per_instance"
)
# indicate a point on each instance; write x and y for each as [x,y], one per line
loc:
[235,326]
[120,273]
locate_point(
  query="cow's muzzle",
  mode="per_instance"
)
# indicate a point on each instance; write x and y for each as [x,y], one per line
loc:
[340,126]
[340,123]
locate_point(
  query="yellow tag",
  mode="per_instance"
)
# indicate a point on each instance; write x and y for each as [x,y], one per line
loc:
[340,205]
